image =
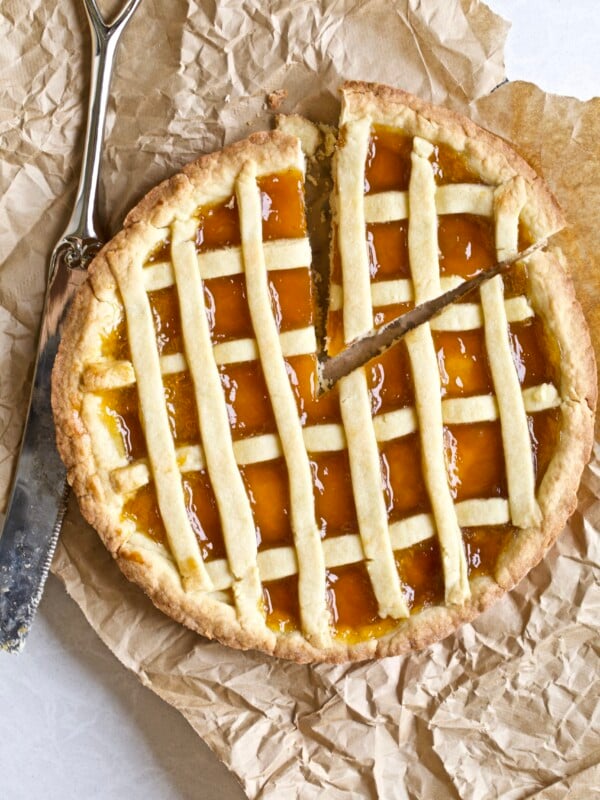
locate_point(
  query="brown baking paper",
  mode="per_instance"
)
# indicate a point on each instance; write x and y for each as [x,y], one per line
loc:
[507,706]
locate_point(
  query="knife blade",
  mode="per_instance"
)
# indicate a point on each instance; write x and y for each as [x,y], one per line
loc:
[357,353]
[39,491]
[38,499]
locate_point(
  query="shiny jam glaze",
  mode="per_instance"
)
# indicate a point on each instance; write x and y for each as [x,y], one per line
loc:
[291,298]
[451,167]
[281,604]
[268,490]
[383,314]
[335,332]
[516,281]
[312,409]
[121,414]
[351,599]
[115,344]
[142,509]
[218,226]
[181,408]
[167,321]
[483,545]
[525,238]
[534,353]
[161,253]
[334,499]
[387,247]
[466,244]
[404,487]
[203,513]
[544,430]
[475,460]
[389,379]
[463,363]
[227,310]
[421,577]
[282,202]
[247,398]
[388,162]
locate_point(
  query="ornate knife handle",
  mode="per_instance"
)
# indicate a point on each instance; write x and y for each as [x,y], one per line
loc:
[78,253]
[83,226]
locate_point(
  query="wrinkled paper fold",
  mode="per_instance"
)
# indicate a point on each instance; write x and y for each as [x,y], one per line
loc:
[506,707]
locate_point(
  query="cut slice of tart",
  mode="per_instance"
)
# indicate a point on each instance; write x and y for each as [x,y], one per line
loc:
[374,519]
[480,422]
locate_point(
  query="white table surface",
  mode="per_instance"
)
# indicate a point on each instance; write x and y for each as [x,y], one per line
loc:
[74,723]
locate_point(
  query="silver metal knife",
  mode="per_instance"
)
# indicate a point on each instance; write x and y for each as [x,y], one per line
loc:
[39,492]
[361,350]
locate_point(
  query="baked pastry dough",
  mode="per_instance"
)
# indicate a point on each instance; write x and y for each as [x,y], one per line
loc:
[376,518]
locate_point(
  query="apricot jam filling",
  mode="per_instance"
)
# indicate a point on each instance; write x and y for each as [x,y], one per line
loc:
[388,162]
[403,485]
[335,332]
[451,167]
[389,379]
[282,202]
[202,511]
[421,574]
[312,409]
[475,460]
[218,226]
[463,363]
[483,545]
[181,408]
[383,314]
[535,355]
[351,599]
[280,600]
[474,451]
[142,508]
[466,244]
[387,247]
[544,432]
[334,499]
[227,308]
[247,398]
[268,490]
[121,413]
[167,322]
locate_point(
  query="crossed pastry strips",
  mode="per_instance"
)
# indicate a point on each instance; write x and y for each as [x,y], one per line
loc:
[250,510]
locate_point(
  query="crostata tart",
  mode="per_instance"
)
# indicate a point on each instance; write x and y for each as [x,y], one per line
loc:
[379,516]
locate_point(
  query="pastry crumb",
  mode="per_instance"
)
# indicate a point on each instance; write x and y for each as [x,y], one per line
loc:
[275,99]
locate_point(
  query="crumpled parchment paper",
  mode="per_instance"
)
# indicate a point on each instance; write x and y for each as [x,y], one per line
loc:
[506,707]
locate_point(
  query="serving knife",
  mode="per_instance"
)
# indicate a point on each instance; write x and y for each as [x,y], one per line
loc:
[39,492]
[360,351]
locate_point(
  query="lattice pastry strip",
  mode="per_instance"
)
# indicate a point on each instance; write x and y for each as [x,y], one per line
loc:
[509,200]
[232,500]
[311,567]
[354,398]
[423,257]
[161,448]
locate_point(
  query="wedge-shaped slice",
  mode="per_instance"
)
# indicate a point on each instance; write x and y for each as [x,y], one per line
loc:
[423,200]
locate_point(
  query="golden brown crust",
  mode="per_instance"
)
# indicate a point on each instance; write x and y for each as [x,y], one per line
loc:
[98,303]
